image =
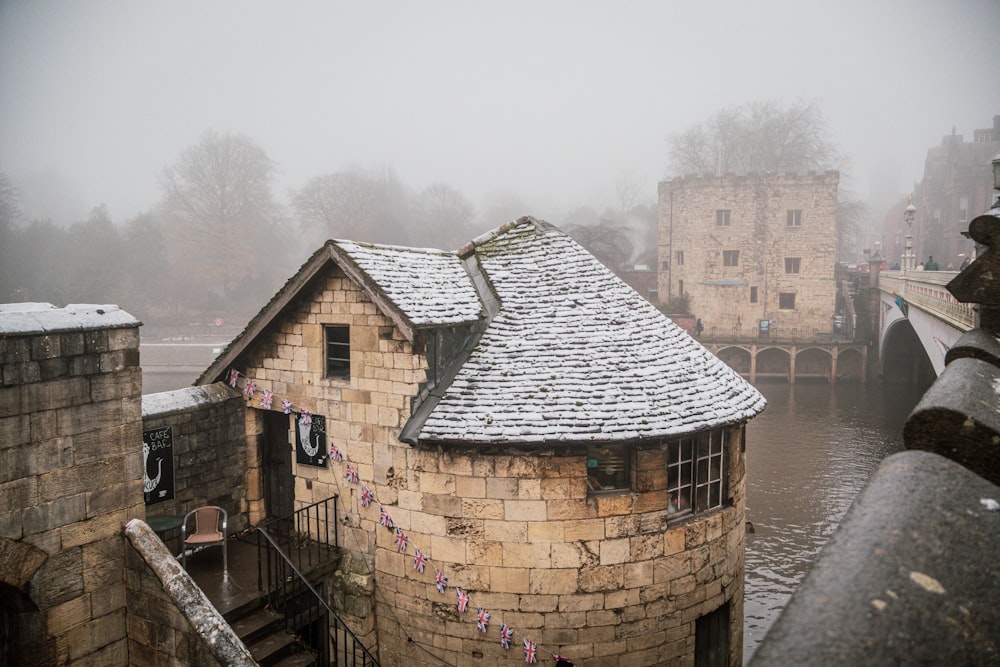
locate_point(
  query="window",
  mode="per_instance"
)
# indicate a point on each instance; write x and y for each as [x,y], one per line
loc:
[679,258]
[963,209]
[607,468]
[753,295]
[338,352]
[730,257]
[680,287]
[794,218]
[786,300]
[695,473]
[792,264]
[664,266]
[722,218]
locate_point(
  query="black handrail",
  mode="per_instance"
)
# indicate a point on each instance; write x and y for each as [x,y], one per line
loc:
[284,581]
[304,535]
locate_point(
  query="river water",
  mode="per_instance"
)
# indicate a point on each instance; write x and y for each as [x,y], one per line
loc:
[808,455]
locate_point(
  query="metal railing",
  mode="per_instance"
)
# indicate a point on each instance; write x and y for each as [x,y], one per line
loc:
[928,291]
[305,534]
[773,335]
[305,610]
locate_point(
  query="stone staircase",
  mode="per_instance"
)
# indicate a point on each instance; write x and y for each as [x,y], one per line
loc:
[263,632]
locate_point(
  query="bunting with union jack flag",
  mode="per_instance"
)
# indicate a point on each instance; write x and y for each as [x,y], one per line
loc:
[234,375]
[383,517]
[530,651]
[266,398]
[366,496]
[506,635]
[482,619]
[305,417]
[352,475]
[286,406]
[336,455]
[419,560]
[440,581]
[463,600]
[401,540]
[249,388]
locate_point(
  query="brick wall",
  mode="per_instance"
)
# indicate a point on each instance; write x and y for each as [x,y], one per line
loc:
[758,230]
[209,451]
[70,479]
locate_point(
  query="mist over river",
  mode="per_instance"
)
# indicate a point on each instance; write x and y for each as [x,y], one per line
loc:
[808,456]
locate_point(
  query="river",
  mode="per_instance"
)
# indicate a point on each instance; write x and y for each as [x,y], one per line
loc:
[808,455]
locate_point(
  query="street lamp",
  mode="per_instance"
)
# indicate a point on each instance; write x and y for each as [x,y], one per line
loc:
[908,257]
[996,171]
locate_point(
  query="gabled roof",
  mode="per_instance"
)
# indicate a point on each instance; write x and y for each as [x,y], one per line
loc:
[417,288]
[576,355]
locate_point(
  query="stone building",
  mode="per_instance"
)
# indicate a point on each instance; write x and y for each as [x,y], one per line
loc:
[565,455]
[751,252]
[957,183]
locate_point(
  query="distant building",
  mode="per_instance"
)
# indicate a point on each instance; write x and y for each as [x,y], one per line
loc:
[751,252]
[957,183]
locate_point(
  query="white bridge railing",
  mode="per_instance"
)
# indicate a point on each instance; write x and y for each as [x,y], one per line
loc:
[926,290]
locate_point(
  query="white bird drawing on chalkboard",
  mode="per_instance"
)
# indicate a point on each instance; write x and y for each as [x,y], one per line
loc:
[147,483]
[304,432]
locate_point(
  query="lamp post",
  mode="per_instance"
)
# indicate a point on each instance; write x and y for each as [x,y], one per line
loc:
[909,258]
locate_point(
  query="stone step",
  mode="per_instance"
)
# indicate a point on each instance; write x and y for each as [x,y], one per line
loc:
[256,625]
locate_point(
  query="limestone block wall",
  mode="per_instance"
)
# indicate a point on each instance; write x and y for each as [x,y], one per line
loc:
[209,451]
[70,479]
[759,231]
[604,580]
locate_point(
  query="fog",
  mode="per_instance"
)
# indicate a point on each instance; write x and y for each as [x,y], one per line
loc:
[552,101]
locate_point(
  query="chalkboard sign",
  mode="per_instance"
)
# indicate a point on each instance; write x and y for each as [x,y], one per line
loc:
[158,465]
[310,441]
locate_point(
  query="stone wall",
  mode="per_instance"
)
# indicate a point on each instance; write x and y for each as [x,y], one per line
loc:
[758,230]
[209,451]
[70,477]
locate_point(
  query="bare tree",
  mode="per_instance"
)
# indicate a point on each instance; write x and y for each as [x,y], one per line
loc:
[217,206]
[444,217]
[760,137]
[608,241]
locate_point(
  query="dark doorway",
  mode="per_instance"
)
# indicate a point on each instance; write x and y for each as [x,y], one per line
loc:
[711,642]
[276,455]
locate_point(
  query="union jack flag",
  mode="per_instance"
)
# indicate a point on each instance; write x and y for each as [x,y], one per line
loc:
[266,398]
[557,658]
[383,517]
[233,376]
[506,634]
[463,599]
[440,581]
[249,388]
[286,406]
[337,455]
[530,651]
[419,561]
[482,619]
[305,418]
[401,540]
[366,496]
[352,475]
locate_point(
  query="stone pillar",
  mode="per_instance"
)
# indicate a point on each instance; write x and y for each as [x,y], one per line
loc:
[71,475]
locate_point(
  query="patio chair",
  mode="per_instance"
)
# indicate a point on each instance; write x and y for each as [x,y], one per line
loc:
[207,532]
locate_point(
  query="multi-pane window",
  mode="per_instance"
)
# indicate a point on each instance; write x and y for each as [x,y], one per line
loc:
[730,257]
[338,351]
[696,473]
[664,265]
[607,468]
[679,258]
[794,218]
[792,264]
[753,295]
[722,217]
[786,300]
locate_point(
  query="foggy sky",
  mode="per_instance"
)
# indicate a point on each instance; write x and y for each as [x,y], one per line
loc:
[550,100]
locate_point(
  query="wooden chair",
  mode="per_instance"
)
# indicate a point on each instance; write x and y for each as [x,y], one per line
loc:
[209,530]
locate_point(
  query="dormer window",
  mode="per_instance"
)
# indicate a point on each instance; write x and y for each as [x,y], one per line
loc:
[338,352]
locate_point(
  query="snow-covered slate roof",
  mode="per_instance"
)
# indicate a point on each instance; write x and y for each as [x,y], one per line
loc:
[574,355]
[430,287]
[37,318]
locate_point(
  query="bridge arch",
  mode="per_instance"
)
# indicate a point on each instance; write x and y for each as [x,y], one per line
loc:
[813,363]
[850,364]
[736,357]
[774,362]
[903,358]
